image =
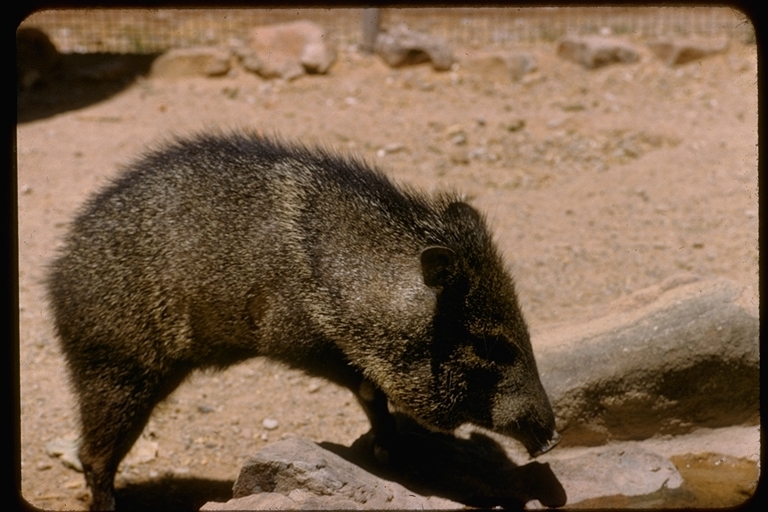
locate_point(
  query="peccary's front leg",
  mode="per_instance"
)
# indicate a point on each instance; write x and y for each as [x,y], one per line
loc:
[383,423]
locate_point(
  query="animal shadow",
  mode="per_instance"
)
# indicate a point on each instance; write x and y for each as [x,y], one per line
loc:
[474,471]
[74,81]
[172,493]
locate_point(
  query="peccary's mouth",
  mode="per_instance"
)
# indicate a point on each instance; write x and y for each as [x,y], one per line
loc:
[553,441]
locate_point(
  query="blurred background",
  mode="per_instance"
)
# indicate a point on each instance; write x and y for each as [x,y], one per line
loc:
[154,31]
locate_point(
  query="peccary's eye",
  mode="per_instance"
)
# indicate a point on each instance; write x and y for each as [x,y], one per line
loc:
[495,349]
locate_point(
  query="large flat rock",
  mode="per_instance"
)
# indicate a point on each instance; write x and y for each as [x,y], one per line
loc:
[671,358]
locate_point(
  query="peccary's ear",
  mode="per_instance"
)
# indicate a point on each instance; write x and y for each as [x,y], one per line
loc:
[438,266]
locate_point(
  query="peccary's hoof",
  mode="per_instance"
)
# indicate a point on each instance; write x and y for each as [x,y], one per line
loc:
[365,448]
[381,454]
[375,450]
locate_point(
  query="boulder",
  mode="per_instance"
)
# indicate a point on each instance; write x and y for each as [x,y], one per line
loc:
[294,473]
[287,50]
[594,52]
[195,61]
[675,52]
[401,46]
[671,358]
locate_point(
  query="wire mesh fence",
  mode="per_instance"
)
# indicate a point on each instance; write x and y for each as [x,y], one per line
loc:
[157,30]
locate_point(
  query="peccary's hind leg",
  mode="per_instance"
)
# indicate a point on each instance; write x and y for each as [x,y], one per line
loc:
[115,405]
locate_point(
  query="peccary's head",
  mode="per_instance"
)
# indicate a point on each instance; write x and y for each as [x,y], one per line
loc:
[481,367]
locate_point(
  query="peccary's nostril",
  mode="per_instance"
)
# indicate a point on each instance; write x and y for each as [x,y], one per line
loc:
[553,441]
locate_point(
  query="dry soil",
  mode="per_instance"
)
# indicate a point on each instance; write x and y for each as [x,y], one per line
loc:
[596,183]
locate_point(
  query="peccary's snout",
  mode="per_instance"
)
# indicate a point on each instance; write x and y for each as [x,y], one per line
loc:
[537,438]
[529,418]
[548,445]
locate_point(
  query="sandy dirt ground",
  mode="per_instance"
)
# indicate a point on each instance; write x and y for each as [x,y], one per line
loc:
[596,184]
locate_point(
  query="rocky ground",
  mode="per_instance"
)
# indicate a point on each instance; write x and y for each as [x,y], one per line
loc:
[598,183]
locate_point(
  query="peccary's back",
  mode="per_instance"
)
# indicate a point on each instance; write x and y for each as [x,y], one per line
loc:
[223,246]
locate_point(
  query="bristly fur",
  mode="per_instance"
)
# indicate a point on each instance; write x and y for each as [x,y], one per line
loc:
[211,249]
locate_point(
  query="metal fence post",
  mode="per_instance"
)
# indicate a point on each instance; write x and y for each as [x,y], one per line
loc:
[371,19]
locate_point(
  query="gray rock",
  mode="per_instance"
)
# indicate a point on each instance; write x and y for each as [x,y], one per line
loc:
[197,61]
[612,470]
[401,46]
[676,52]
[670,359]
[298,499]
[594,52]
[302,475]
[297,474]
[287,50]
[270,423]
[500,67]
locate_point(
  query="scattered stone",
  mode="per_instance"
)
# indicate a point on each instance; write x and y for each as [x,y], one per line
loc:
[394,147]
[555,123]
[426,86]
[65,448]
[594,52]
[270,424]
[459,156]
[676,52]
[73,484]
[454,129]
[459,139]
[205,409]
[401,46]
[287,50]
[456,134]
[297,474]
[186,62]
[143,451]
[514,126]
[681,354]
[499,67]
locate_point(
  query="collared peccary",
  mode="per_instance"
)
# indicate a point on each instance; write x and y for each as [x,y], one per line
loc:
[221,247]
